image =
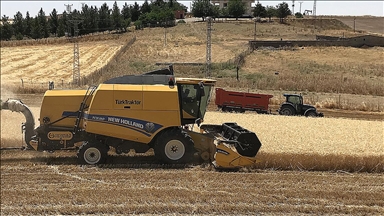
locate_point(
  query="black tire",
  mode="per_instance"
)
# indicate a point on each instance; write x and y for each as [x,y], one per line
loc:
[174,146]
[287,110]
[311,113]
[92,153]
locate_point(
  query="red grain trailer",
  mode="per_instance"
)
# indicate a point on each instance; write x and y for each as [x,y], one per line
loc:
[229,101]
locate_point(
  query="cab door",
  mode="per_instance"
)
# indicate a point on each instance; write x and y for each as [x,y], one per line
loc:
[189,103]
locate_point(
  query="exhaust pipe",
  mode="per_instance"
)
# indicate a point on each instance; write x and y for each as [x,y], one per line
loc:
[29,126]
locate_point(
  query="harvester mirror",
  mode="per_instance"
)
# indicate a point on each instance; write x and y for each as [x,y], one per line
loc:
[201,89]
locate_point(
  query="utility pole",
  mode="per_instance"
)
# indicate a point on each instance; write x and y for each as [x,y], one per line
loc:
[254,36]
[76,52]
[300,6]
[209,31]
[314,9]
[293,7]
[68,7]
[165,34]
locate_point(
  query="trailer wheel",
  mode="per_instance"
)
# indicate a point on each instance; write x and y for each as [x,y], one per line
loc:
[174,146]
[92,153]
[287,110]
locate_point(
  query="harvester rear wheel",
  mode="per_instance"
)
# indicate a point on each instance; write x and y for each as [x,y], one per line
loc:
[92,153]
[174,146]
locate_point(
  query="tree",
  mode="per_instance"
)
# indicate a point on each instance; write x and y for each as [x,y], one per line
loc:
[173,4]
[215,11]
[298,15]
[85,26]
[224,12]
[36,32]
[104,17]
[94,19]
[28,25]
[53,22]
[117,19]
[135,12]
[6,29]
[18,25]
[283,11]
[60,28]
[145,8]
[271,12]
[236,8]
[43,24]
[126,13]
[260,11]
[202,8]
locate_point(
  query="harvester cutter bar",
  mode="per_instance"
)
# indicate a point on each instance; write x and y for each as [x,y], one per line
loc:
[246,142]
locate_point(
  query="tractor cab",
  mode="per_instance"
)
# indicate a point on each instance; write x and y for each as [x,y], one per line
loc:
[294,105]
[294,98]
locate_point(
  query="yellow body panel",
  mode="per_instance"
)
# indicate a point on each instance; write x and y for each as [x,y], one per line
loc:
[57,103]
[127,97]
[103,100]
[138,113]
[160,98]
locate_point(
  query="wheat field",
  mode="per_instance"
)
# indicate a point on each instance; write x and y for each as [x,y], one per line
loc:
[287,142]
[40,64]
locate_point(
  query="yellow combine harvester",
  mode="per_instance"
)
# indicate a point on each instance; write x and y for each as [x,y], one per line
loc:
[153,110]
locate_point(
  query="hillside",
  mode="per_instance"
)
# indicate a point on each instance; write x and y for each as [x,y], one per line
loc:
[324,70]
[364,23]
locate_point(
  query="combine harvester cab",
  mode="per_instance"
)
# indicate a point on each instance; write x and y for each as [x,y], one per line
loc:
[124,114]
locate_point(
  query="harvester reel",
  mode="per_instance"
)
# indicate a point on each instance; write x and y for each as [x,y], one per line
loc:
[174,146]
[92,153]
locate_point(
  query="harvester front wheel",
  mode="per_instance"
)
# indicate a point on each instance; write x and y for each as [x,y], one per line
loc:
[92,154]
[174,146]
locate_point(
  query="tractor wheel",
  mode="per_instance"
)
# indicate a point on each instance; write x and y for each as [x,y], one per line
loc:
[311,114]
[92,153]
[174,146]
[287,110]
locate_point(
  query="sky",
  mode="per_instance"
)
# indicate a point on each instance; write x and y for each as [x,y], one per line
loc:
[345,8]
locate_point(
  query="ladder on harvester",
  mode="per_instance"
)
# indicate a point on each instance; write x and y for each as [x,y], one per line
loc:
[83,106]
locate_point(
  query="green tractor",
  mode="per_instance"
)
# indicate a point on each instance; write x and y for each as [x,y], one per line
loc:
[293,105]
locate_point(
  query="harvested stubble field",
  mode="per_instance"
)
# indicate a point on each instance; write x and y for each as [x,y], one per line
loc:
[43,63]
[68,189]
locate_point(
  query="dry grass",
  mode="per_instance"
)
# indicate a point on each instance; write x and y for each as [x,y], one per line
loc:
[315,69]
